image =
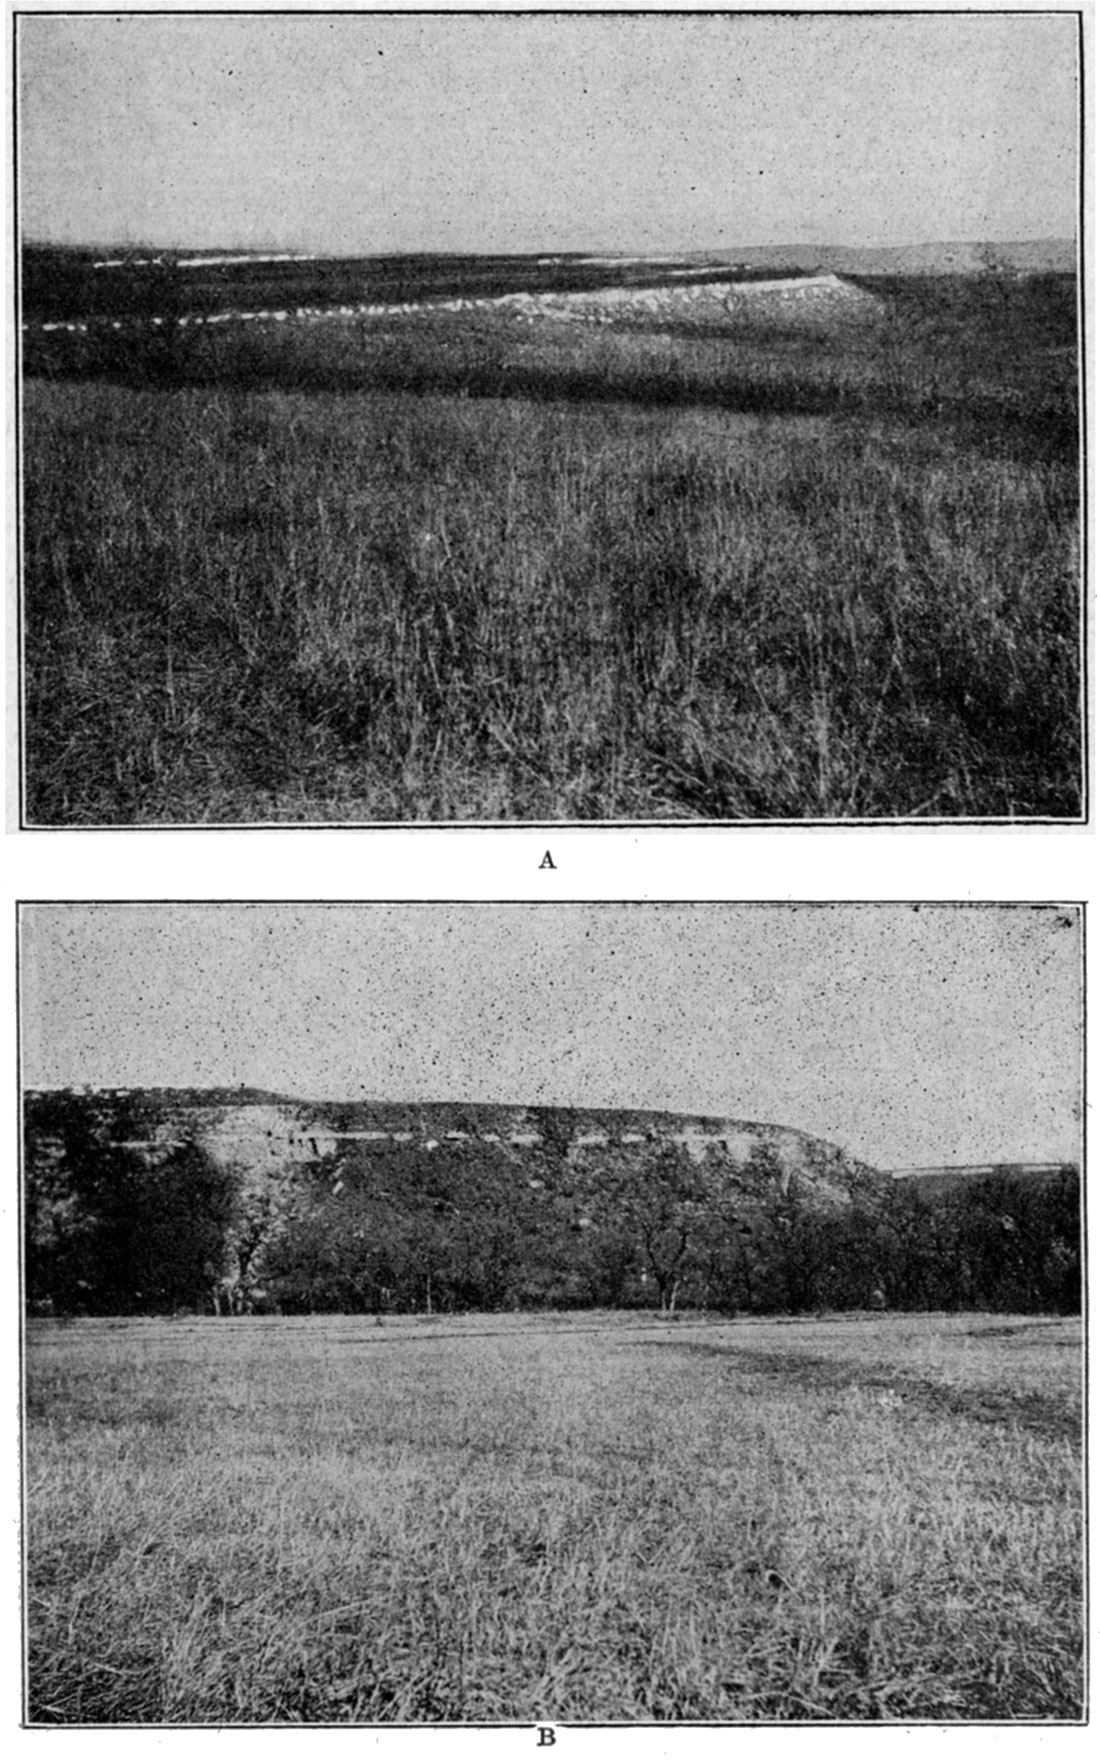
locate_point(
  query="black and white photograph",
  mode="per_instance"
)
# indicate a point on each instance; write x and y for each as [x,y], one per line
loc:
[552,1315]
[549,417]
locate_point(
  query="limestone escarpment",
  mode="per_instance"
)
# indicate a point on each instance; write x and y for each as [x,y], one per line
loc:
[268,1131]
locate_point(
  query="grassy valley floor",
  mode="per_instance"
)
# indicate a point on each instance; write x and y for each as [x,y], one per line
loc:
[554,1518]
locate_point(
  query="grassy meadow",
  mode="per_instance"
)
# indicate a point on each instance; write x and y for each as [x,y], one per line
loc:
[543,1519]
[469,569]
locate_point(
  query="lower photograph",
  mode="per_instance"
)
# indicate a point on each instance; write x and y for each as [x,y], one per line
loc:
[552,1314]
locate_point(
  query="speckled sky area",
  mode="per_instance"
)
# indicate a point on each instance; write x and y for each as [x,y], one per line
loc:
[911,1035]
[366,133]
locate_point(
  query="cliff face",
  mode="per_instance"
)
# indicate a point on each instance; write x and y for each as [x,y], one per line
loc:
[685,301]
[259,1131]
[587,1139]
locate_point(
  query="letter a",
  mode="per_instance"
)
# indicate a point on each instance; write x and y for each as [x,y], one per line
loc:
[548,862]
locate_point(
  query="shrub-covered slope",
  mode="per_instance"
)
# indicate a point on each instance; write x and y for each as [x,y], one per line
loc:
[244,1201]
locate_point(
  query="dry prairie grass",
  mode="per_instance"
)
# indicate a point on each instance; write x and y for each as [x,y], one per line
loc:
[599,1519]
[274,606]
[468,569]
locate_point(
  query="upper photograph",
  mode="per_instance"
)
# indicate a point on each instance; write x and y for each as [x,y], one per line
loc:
[434,419]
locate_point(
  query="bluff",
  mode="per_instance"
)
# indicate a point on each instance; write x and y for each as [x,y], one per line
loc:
[240,1199]
[257,1130]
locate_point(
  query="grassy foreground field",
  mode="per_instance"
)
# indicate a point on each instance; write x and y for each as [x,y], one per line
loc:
[554,1519]
[471,570]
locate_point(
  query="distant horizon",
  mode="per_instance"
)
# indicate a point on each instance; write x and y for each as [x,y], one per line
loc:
[292,248]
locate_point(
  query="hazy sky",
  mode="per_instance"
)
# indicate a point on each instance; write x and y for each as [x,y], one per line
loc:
[909,1035]
[524,133]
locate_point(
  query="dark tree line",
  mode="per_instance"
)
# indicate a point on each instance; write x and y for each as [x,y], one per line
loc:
[107,1230]
[115,1229]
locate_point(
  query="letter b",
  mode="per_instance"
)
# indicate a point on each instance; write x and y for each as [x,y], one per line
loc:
[546,1736]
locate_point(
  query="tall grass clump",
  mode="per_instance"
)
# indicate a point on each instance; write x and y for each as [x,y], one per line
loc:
[521,1521]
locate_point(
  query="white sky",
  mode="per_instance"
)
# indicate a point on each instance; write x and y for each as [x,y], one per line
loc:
[909,1035]
[368,133]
